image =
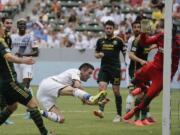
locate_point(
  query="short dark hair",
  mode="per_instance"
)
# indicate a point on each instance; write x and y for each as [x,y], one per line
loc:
[4,18]
[109,22]
[86,66]
[136,22]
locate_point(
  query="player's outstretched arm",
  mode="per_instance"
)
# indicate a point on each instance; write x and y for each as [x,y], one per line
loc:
[12,58]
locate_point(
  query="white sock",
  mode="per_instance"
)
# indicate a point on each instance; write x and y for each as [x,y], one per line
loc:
[51,116]
[81,94]
[148,114]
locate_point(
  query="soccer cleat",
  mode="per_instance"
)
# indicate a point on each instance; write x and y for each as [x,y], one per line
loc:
[98,98]
[98,114]
[128,121]
[151,120]
[146,122]
[117,118]
[136,91]
[138,123]
[8,122]
[130,114]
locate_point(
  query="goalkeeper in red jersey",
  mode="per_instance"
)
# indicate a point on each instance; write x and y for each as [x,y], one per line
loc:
[153,70]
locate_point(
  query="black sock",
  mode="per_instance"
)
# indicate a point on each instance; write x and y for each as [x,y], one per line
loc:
[101,107]
[4,115]
[118,100]
[37,118]
[144,113]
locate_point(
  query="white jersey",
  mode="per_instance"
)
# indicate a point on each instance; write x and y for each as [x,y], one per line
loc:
[67,77]
[49,87]
[22,44]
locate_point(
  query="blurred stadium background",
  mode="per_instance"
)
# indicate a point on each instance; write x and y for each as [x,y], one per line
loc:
[66,32]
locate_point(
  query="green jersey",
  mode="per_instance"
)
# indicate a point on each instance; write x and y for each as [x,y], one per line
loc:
[140,52]
[111,48]
[7,72]
[8,40]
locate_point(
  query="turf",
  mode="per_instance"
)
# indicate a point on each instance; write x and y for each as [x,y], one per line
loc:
[79,119]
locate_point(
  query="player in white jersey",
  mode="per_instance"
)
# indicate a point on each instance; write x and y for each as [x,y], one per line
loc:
[67,83]
[23,45]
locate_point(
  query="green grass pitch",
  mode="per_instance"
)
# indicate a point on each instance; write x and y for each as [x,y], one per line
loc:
[79,119]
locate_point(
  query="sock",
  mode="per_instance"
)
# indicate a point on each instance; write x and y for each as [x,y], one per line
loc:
[81,94]
[4,115]
[118,100]
[137,114]
[37,118]
[143,114]
[101,107]
[51,116]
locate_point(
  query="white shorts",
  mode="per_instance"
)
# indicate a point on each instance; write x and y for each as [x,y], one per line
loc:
[48,93]
[23,71]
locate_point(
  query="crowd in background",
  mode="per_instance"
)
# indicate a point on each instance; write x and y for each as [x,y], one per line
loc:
[79,23]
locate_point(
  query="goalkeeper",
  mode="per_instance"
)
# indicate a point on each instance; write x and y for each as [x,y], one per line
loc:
[153,70]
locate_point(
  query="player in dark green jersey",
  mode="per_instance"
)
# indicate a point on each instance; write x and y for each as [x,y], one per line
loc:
[108,50]
[13,91]
[7,22]
[138,56]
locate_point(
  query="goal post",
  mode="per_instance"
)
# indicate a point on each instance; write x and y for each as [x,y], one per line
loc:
[166,119]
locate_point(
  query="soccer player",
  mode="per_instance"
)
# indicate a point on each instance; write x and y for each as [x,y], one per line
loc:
[108,49]
[138,55]
[7,22]
[153,71]
[13,91]
[68,83]
[23,44]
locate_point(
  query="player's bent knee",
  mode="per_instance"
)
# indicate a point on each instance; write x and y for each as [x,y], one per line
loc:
[13,107]
[32,103]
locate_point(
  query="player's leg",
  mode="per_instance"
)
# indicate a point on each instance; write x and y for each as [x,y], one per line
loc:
[140,77]
[6,112]
[19,93]
[129,103]
[153,91]
[27,76]
[3,105]
[118,102]
[100,112]
[83,95]
[26,79]
[36,116]
[53,114]
[8,95]
[103,79]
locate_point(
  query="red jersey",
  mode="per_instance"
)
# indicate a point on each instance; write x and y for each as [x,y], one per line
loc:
[158,39]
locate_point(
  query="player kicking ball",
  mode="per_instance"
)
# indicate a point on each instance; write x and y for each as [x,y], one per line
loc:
[67,83]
